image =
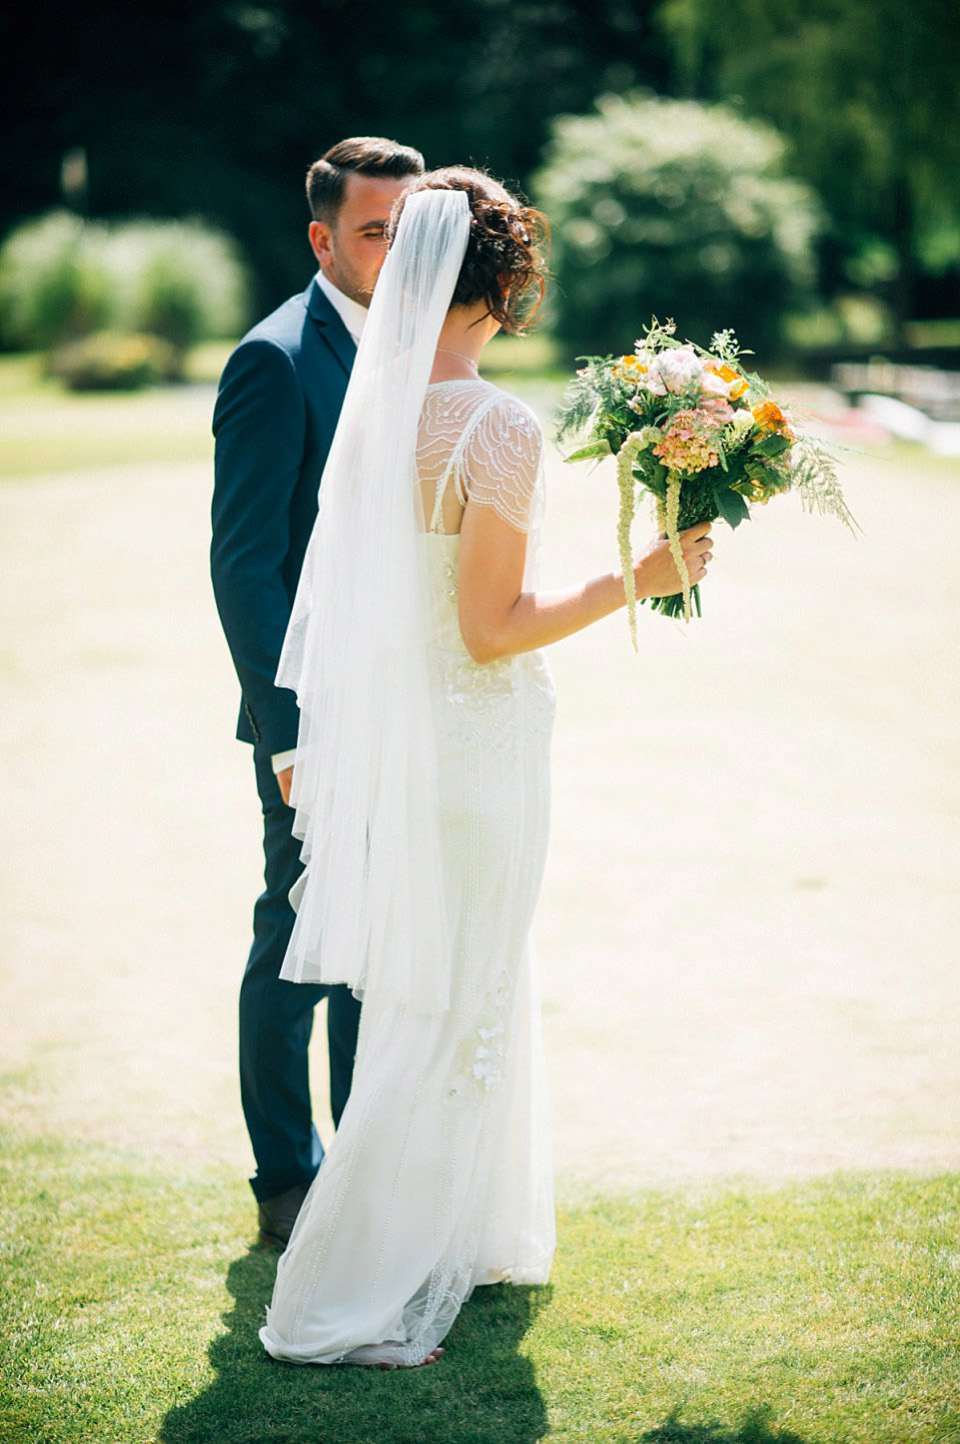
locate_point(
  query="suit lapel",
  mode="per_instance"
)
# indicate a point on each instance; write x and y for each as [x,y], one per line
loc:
[332,329]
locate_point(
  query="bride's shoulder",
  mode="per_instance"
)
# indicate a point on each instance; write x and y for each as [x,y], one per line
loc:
[505,400]
[506,411]
[502,457]
[484,409]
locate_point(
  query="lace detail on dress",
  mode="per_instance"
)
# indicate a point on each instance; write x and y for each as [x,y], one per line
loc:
[488,445]
[501,463]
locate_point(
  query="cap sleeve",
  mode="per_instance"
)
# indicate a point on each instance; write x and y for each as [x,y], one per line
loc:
[502,463]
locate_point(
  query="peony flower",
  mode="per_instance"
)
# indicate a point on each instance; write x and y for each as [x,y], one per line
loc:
[678,369]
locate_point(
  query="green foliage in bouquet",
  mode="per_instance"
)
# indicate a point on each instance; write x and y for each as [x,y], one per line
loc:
[700,434]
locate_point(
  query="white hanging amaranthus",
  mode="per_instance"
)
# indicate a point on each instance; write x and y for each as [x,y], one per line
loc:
[631,448]
[670,522]
[668,513]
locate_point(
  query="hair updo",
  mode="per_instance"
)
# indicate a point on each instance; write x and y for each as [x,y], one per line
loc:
[504,265]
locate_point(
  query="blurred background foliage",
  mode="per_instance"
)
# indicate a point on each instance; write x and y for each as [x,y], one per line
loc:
[790,168]
[680,208]
[866,92]
[85,290]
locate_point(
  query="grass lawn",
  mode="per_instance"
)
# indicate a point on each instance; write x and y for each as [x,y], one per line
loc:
[813,1313]
[45,428]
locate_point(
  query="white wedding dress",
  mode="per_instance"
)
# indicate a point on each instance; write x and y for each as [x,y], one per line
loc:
[440,1174]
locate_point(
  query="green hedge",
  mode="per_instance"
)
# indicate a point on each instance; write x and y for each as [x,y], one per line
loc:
[62,279]
[111,361]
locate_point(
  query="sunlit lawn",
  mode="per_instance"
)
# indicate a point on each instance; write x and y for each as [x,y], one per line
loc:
[44,428]
[814,1313]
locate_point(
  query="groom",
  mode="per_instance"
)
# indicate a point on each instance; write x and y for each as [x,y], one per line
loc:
[277,407]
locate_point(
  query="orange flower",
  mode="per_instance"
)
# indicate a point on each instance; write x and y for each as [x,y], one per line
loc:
[736,385]
[767,414]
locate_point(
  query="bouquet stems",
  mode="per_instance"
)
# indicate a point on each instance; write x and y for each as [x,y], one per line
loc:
[674,606]
[673,517]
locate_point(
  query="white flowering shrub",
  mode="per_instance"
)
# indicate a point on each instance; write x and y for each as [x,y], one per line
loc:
[672,208]
[180,280]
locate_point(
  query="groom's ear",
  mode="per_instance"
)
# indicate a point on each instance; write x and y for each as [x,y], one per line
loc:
[320,237]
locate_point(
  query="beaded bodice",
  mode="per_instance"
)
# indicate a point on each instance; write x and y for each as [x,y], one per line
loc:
[479,445]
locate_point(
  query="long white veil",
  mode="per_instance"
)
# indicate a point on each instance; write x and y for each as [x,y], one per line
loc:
[371,909]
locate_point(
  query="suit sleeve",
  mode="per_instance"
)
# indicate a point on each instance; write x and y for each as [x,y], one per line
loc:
[259,424]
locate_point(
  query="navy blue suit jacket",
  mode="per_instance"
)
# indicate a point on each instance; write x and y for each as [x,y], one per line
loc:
[277,408]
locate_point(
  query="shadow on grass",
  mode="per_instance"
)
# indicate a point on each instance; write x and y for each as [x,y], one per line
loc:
[755,1428]
[482,1392]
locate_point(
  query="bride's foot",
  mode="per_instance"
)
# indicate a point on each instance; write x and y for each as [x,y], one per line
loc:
[434,1356]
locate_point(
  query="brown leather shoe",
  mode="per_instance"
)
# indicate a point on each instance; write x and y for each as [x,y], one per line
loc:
[277,1215]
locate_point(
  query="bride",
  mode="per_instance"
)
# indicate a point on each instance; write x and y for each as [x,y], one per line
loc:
[422,794]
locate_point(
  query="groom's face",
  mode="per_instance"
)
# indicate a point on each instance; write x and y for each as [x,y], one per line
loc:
[352,250]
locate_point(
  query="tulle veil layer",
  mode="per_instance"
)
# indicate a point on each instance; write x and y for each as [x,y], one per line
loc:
[370,911]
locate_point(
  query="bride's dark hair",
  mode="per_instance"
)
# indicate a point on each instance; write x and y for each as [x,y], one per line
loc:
[505,265]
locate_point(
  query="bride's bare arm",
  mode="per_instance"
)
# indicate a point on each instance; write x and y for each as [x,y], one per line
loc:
[498,618]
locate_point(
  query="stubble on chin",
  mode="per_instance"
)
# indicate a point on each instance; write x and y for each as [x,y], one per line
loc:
[355,290]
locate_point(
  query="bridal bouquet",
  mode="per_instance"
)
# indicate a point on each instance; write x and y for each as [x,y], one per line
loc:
[699,434]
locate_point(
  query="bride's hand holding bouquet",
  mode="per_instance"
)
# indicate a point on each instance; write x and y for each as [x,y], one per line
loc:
[656,573]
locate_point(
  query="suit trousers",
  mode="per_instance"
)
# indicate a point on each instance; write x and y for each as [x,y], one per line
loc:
[276,1020]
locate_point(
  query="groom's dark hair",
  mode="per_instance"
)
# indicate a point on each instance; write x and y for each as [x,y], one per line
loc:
[361,155]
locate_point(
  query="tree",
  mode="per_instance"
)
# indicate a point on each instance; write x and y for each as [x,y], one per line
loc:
[868,95]
[678,208]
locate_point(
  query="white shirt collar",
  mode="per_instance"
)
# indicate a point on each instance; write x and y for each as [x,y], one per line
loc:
[351,313]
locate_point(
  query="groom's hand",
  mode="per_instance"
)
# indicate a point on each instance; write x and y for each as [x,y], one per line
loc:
[285,782]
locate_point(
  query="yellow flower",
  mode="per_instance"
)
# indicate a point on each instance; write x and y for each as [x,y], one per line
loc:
[630,368]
